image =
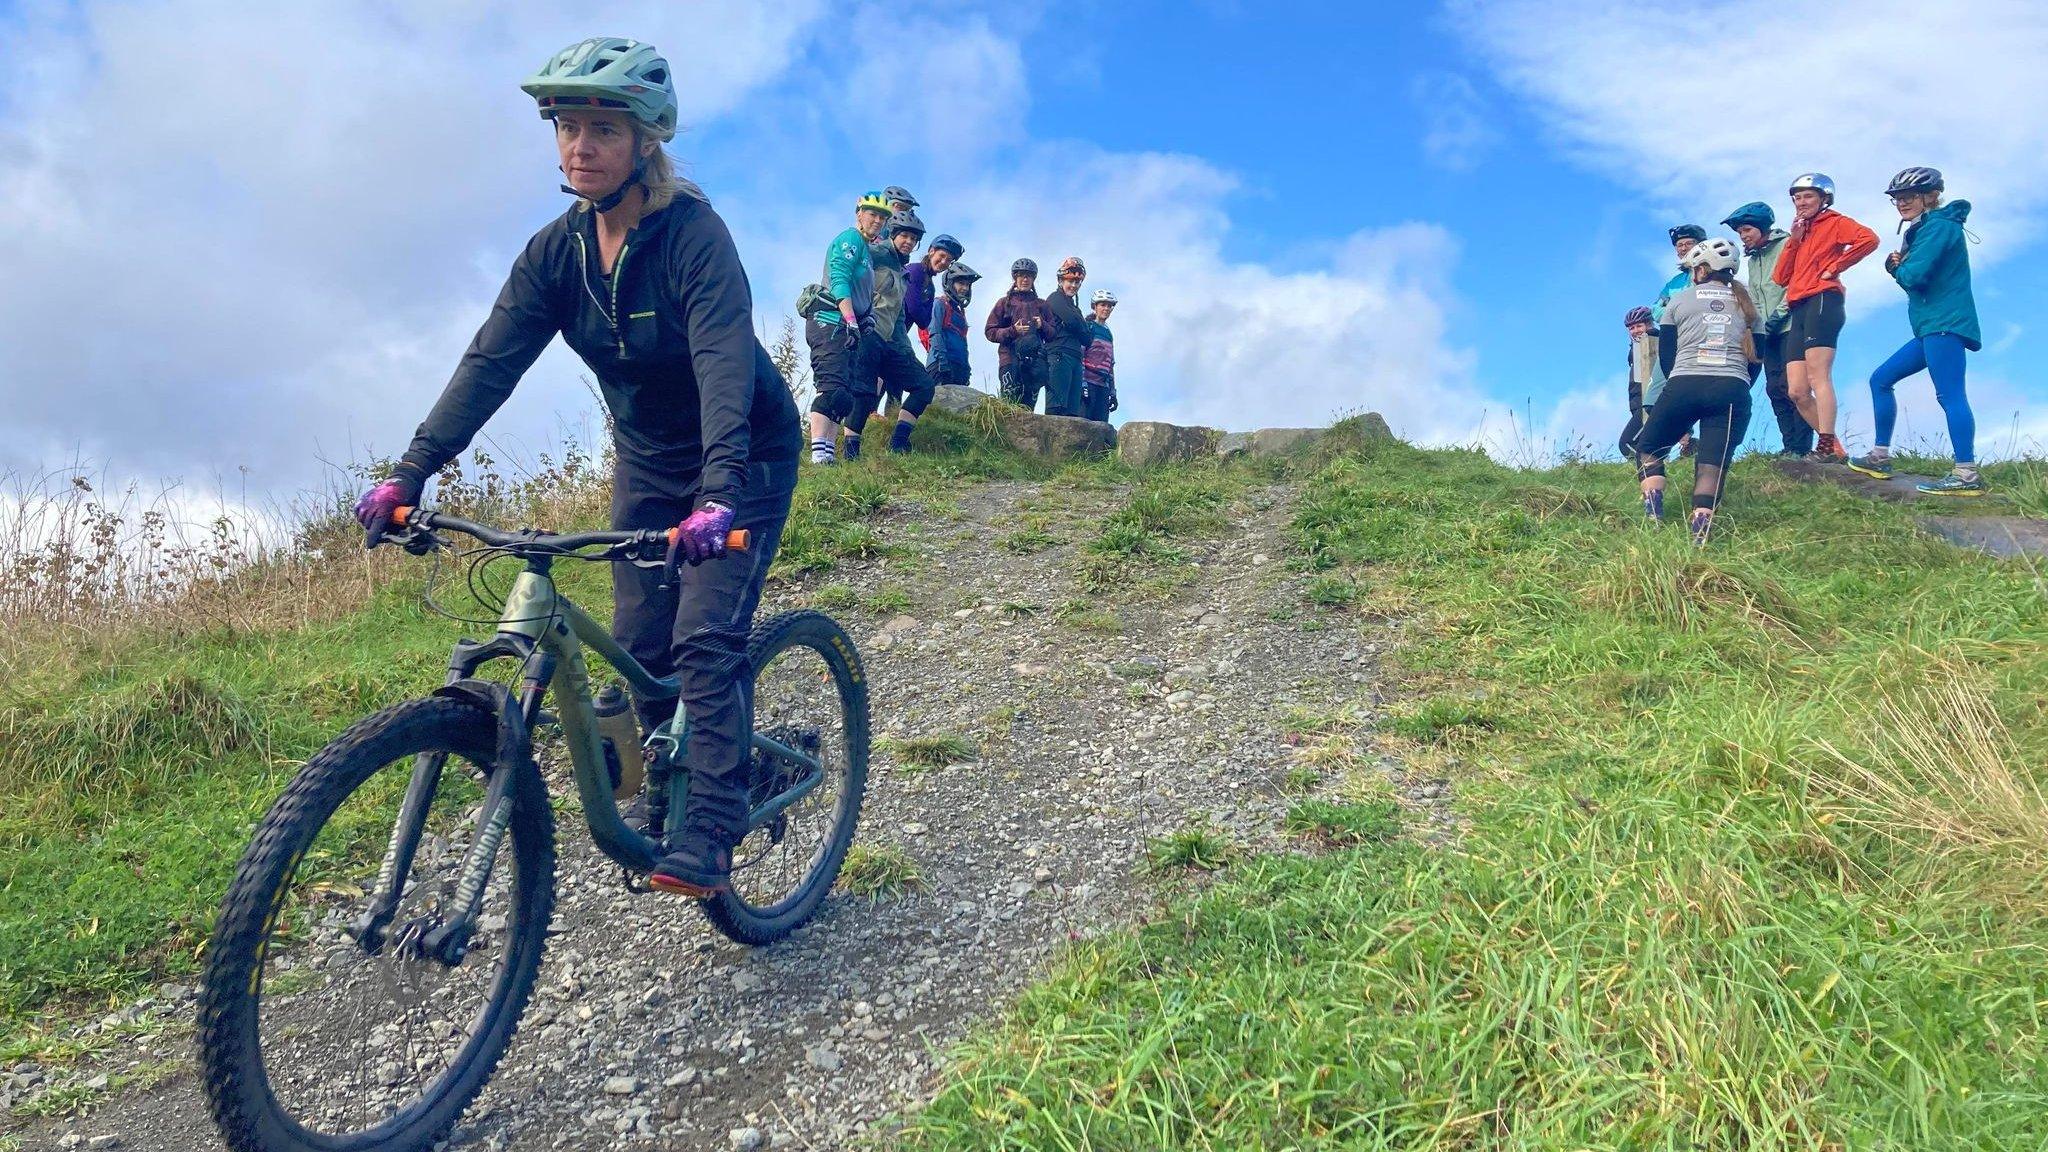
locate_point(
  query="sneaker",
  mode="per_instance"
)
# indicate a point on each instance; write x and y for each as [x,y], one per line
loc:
[852,451]
[1872,465]
[635,814]
[1702,527]
[1953,485]
[700,867]
[822,452]
[1653,506]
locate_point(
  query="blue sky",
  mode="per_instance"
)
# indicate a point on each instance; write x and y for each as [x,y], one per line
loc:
[249,239]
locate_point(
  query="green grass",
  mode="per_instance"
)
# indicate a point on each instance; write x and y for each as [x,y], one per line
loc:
[1754,855]
[133,763]
[888,599]
[1343,825]
[878,870]
[1162,510]
[1196,847]
[930,751]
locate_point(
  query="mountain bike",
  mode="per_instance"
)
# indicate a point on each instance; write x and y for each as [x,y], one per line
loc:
[384,928]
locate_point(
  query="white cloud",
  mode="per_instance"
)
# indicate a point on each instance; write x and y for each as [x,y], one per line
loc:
[956,91]
[1457,124]
[229,230]
[1706,109]
[227,226]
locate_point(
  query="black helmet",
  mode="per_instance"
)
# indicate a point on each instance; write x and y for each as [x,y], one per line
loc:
[945,243]
[1688,232]
[1024,266]
[898,192]
[906,221]
[1915,181]
[961,272]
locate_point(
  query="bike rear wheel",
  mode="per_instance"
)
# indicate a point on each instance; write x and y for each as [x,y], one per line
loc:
[311,1041]
[810,692]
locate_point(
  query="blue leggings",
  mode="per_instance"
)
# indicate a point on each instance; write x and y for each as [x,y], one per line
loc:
[1940,356]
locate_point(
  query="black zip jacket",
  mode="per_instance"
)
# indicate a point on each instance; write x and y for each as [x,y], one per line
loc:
[1071,338]
[670,338]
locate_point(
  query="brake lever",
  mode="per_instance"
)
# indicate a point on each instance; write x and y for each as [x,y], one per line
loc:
[419,541]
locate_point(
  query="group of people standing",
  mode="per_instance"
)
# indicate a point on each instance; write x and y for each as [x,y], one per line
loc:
[858,319]
[1695,353]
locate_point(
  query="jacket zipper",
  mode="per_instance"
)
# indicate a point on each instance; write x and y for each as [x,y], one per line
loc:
[610,314]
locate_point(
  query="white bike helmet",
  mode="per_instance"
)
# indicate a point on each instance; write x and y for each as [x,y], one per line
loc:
[1105,296]
[1715,254]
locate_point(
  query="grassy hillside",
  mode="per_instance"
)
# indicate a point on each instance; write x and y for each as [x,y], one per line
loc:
[1756,853]
[136,750]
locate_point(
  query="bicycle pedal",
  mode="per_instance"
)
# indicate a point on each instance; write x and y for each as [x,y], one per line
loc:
[634,885]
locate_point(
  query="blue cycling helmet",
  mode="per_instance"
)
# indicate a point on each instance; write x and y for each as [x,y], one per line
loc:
[1756,214]
[946,244]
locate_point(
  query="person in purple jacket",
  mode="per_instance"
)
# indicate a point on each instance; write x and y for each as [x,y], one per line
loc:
[921,283]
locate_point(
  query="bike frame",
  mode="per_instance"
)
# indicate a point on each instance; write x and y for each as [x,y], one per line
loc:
[547,633]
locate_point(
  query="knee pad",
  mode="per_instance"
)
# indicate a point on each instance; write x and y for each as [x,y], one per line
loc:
[1645,471]
[1706,500]
[918,399]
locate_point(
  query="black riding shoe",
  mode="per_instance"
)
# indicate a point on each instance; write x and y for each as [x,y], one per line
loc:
[700,867]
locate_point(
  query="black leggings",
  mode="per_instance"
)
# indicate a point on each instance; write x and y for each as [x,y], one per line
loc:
[901,376]
[1720,405]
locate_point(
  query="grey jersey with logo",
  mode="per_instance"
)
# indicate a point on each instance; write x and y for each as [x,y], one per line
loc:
[1710,325]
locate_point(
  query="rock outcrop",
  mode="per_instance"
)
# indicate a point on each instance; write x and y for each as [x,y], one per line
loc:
[1146,443]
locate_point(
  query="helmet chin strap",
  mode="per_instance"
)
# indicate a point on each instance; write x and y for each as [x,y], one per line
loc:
[618,195]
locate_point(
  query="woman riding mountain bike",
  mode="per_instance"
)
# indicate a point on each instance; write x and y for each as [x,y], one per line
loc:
[641,278]
[1707,345]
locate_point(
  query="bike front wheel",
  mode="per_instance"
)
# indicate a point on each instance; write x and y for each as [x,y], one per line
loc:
[317,1035]
[810,693]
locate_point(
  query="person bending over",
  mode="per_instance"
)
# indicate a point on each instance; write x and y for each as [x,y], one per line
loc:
[641,279]
[1933,266]
[1823,245]
[1707,344]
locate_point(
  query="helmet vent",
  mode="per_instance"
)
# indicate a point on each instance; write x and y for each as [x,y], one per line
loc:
[658,76]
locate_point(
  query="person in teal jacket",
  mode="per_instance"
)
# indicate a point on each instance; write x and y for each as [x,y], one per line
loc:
[834,326]
[1933,266]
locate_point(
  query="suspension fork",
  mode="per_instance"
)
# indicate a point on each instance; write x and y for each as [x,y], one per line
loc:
[448,942]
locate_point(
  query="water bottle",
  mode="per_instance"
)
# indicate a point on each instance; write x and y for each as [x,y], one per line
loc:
[619,731]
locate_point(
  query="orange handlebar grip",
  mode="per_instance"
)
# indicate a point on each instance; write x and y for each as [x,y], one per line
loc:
[737,540]
[401,514]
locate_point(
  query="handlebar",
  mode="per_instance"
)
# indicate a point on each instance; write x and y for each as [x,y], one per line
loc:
[636,543]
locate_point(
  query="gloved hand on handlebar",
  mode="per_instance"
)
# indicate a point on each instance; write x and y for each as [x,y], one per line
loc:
[701,536]
[375,508]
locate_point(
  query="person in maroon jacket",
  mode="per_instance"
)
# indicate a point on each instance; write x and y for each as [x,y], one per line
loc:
[1021,326]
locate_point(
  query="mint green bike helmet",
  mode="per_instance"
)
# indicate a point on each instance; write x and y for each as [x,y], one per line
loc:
[608,72]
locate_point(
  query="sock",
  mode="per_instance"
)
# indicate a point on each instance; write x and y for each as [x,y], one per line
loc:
[821,451]
[1966,470]
[1881,452]
[852,446]
[899,441]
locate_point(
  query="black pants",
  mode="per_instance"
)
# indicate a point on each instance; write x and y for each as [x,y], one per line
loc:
[698,629]
[837,372]
[947,372]
[1022,379]
[1095,400]
[1634,428]
[900,375]
[1793,430]
[1720,405]
[1063,384]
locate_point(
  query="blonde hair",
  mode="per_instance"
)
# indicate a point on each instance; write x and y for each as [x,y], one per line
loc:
[658,176]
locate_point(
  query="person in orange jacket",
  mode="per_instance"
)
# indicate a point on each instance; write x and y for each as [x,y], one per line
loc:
[1824,244]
